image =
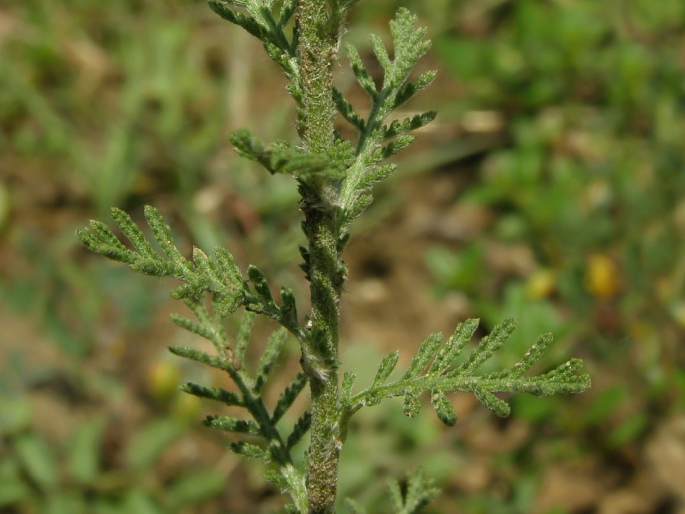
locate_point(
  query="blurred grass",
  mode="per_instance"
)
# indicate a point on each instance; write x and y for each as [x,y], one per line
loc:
[572,116]
[589,190]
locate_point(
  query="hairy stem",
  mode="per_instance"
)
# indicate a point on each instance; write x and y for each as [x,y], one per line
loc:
[320,357]
[317,52]
[317,55]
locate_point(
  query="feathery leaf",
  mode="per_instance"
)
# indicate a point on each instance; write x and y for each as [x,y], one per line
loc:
[133,233]
[454,346]
[269,357]
[288,396]
[488,345]
[229,398]
[426,352]
[243,337]
[251,451]
[299,430]
[411,405]
[443,408]
[229,424]
[386,368]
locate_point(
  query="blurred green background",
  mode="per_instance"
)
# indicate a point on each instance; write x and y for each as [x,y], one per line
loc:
[551,187]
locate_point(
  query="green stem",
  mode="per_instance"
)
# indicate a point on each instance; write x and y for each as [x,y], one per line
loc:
[320,358]
[317,53]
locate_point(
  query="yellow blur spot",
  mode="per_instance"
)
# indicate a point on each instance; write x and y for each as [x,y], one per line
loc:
[164,379]
[602,278]
[678,313]
[541,284]
[187,408]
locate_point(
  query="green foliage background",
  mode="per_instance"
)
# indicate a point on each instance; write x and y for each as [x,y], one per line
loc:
[562,122]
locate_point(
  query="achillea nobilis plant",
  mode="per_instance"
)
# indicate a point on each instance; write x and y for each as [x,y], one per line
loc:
[335,178]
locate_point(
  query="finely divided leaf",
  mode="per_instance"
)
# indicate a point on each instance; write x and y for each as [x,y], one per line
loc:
[381,54]
[260,284]
[375,174]
[395,495]
[420,491]
[411,405]
[346,389]
[276,479]
[299,430]
[207,268]
[229,398]
[251,451]
[532,355]
[289,309]
[400,143]
[243,337]
[411,89]
[193,326]
[226,306]
[398,127]
[230,424]
[347,111]
[409,44]
[443,375]
[221,7]
[200,356]
[363,77]
[487,346]
[228,267]
[288,396]
[162,233]
[155,267]
[133,233]
[385,369]
[281,157]
[271,353]
[426,352]
[287,10]
[106,236]
[443,408]
[496,405]
[566,369]
[454,346]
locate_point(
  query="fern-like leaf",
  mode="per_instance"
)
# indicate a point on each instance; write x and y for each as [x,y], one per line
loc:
[488,345]
[249,23]
[288,397]
[268,359]
[420,491]
[454,346]
[373,146]
[251,451]
[443,408]
[360,72]
[230,424]
[386,368]
[281,157]
[445,374]
[229,398]
[299,430]
[346,389]
[201,357]
[347,111]
[133,233]
[427,351]
[397,127]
